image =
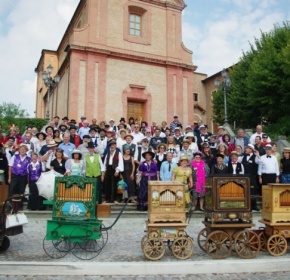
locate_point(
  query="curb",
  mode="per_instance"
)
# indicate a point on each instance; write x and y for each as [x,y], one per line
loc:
[145,268]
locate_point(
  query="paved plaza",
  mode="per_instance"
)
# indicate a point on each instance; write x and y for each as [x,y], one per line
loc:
[123,256]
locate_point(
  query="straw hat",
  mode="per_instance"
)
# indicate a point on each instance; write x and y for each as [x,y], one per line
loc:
[286,150]
[51,144]
[183,158]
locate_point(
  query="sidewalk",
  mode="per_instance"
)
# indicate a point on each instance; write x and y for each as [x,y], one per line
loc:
[123,255]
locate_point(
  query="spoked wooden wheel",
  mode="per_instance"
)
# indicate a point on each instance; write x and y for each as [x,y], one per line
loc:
[247,244]
[57,249]
[277,245]
[182,248]
[154,249]
[263,241]
[201,238]
[218,244]
[87,248]
[143,240]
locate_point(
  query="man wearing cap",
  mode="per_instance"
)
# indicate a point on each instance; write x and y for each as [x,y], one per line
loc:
[113,127]
[241,139]
[268,170]
[65,121]
[220,133]
[95,168]
[17,171]
[74,137]
[177,136]
[66,145]
[156,140]
[235,167]
[129,142]
[94,136]
[258,132]
[114,165]
[249,161]
[84,130]
[81,124]
[175,123]
[185,151]
[203,137]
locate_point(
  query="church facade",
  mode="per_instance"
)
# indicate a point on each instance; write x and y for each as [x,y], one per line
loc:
[120,59]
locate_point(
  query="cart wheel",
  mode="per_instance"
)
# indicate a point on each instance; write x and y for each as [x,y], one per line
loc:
[263,241]
[153,234]
[5,244]
[182,248]
[154,249]
[88,248]
[277,245]
[218,244]
[247,244]
[56,249]
[201,238]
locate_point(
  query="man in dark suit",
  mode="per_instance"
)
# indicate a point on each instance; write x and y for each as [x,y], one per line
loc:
[203,136]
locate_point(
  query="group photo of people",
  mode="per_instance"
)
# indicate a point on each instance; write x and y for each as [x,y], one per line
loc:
[124,155]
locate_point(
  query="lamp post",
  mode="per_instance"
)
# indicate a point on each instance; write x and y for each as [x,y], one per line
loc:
[225,84]
[50,83]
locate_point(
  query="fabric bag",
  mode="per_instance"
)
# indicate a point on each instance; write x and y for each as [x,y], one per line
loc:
[14,220]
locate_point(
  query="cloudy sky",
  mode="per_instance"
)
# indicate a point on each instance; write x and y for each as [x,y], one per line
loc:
[217,31]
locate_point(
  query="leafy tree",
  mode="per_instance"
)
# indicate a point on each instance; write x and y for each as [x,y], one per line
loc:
[260,90]
[12,110]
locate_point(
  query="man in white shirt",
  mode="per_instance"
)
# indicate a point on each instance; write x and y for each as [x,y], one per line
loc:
[258,133]
[138,136]
[268,170]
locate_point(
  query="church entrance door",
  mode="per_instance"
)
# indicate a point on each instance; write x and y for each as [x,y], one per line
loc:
[135,110]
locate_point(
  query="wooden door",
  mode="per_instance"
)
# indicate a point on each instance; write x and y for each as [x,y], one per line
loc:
[135,110]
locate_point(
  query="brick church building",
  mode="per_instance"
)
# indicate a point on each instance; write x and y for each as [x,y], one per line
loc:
[121,58]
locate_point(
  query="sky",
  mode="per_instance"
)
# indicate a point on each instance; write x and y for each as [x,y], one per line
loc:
[217,31]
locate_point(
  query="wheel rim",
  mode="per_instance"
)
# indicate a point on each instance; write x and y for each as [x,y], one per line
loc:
[182,248]
[56,249]
[201,238]
[277,245]
[218,244]
[247,244]
[154,249]
[153,234]
[263,241]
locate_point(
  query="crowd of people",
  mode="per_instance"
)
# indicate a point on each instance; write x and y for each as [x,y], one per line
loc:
[136,152]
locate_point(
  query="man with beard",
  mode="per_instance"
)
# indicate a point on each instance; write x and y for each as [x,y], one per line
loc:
[140,150]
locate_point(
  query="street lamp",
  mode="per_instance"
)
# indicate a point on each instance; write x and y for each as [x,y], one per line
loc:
[50,83]
[225,84]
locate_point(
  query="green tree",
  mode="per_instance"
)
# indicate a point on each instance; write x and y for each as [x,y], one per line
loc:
[12,110]
[260,90]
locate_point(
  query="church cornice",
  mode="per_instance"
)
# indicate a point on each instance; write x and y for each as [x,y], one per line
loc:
[174,4]
[131,56]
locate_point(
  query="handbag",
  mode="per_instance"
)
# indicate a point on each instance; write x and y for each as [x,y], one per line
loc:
[14,220]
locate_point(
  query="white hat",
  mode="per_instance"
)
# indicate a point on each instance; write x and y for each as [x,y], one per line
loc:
[268,146]
[201,126]
[189,134]
[111,120]
[250,146]
[177,128]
